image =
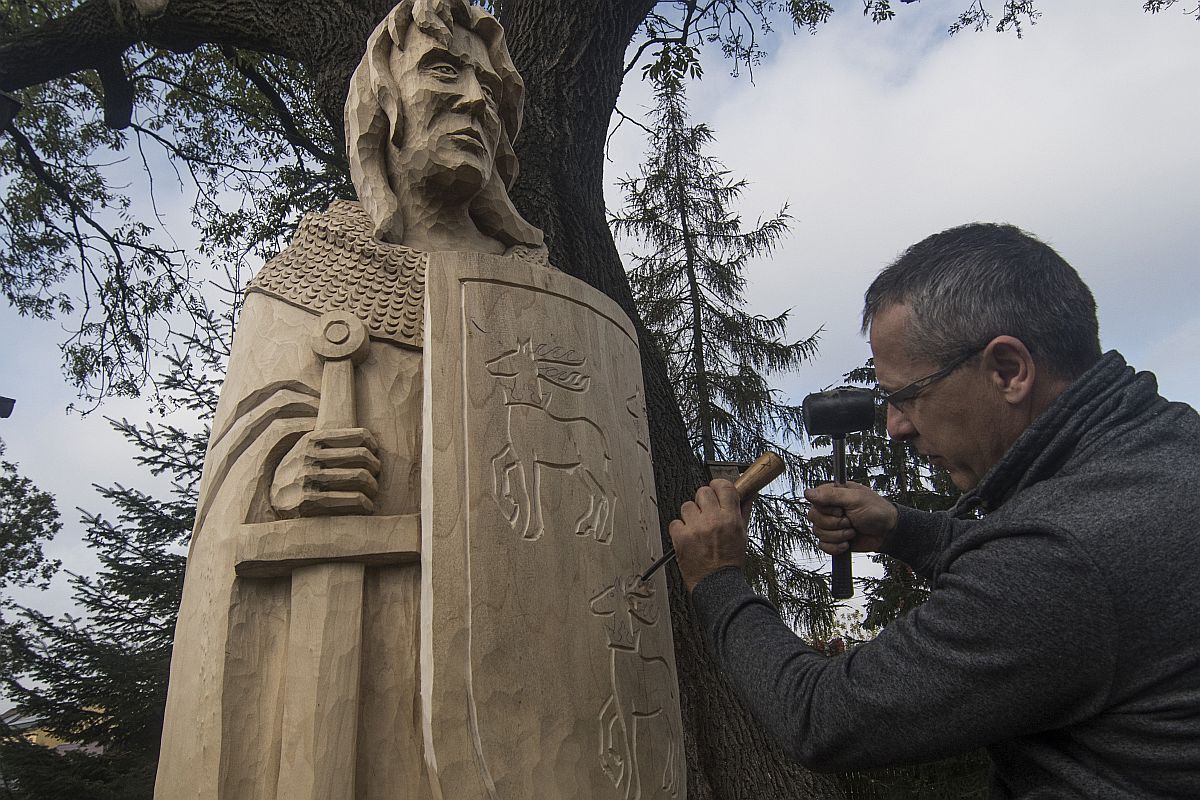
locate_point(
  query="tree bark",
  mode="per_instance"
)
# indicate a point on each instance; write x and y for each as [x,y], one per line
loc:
[326,36]
[570,55]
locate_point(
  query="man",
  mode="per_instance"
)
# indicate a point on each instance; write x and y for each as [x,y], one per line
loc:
[1066,581]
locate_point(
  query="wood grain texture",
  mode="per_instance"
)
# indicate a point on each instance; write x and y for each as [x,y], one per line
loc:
[547,667]
[230,671]
[272,549]
[319,734]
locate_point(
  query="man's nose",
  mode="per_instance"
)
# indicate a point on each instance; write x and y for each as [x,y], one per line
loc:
[899,426]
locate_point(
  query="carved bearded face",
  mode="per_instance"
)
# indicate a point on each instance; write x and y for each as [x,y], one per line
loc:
[450,97]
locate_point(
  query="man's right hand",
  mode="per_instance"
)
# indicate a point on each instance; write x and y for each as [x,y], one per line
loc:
[328,472]
[850,517]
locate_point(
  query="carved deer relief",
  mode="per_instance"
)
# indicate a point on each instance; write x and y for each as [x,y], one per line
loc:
[643,691]
[539,439]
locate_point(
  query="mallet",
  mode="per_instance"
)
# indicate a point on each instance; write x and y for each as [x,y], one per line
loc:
[835,413]
[766,468]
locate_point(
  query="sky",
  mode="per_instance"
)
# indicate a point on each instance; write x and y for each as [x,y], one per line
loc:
[1083,132]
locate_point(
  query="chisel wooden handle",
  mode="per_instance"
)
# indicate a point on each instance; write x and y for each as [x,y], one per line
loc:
[765,469]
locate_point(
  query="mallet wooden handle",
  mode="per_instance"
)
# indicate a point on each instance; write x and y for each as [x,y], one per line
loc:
[766,468]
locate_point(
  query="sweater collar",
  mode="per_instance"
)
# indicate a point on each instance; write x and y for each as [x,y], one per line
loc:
[1103,396]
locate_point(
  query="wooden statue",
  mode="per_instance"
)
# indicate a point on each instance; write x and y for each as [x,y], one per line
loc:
[427,493]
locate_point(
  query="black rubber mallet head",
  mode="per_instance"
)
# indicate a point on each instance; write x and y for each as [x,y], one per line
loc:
[835,413]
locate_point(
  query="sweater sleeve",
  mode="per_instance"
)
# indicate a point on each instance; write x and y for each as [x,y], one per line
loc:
[921,537]
[1015,638]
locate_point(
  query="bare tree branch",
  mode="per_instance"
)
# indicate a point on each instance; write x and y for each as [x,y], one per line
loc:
[291,129]
[326,35]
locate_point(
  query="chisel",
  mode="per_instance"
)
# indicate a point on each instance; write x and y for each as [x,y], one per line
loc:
[766,468]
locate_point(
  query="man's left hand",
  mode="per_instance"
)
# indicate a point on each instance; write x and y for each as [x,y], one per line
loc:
[710,533]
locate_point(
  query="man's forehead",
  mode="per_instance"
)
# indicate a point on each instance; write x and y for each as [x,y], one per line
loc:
[889,326]
[889,342]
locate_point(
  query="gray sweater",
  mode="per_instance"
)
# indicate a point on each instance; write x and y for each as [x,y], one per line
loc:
[1062,627]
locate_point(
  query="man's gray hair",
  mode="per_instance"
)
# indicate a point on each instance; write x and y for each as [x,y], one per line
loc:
[967,285]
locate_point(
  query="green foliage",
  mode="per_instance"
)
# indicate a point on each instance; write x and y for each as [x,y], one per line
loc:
[28,518]
[809,13]
[59,217]
[675,32]
[98,681]
[241,130]
[979,18]
[878,10]
[33,772]
[673,63]
[681,29]
[1155,6]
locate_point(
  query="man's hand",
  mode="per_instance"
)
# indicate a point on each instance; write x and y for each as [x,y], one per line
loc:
[327,472]
[850,517]
[710,532]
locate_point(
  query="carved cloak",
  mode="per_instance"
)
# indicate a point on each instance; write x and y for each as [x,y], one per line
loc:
[225,698]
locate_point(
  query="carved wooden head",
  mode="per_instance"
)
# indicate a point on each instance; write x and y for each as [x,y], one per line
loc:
[399,102]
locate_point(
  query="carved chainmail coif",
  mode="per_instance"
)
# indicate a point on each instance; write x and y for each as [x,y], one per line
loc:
[334,263]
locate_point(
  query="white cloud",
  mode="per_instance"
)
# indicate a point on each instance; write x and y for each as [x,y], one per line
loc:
[1173,358]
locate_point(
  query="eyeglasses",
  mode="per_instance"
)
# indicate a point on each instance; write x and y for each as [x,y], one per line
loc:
[910,392]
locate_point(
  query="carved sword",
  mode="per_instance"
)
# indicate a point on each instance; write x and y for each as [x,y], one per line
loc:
[320,708]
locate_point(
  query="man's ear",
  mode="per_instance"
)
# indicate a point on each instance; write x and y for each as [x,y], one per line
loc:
[1011,368]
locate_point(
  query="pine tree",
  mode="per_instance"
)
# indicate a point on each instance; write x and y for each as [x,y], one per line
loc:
[97,681]
[688,284]
[28,519]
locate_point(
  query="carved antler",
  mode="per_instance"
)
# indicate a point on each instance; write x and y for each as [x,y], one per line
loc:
[555,354]
[620,635]
[557,365]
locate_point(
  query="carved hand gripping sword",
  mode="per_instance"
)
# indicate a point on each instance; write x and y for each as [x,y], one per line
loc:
[325,556]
